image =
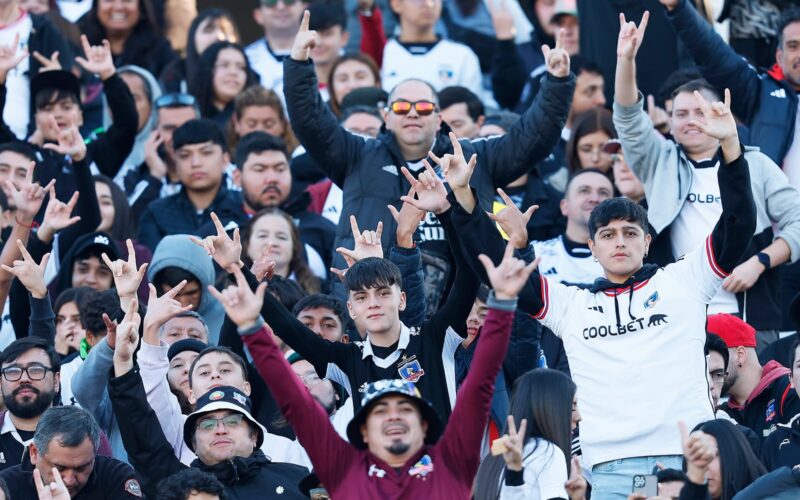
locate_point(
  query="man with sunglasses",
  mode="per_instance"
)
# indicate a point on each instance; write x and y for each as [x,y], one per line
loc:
[156,177]
[369,170]
[30,379]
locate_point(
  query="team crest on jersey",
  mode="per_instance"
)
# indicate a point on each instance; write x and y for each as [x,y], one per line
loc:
[132,487]
[422,468]
[411,370]
[770,411]
[651,301]
[446,73]
[414,331]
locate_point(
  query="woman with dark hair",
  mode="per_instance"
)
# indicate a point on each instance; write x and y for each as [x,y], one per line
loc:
[116,220]
[222,73]
[132,29]
[210,26]
[349,72]
[545,400]
[258,108]
[69,330]
[733,467]
[591,131]
[272,230]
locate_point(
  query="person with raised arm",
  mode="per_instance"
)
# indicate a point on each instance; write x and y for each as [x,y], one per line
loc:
[637,335]
[399,447]
[683,195]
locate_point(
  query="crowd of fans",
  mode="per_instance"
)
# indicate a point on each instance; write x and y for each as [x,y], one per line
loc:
[534,249]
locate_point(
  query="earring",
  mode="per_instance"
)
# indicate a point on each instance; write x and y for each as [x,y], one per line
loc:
[595,259]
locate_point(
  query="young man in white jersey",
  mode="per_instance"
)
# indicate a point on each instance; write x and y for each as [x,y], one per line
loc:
[418,52]
[654,315]
[683,195]
[280,20]
[567,258]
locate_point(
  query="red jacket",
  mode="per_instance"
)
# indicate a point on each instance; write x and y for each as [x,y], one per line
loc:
[441,471]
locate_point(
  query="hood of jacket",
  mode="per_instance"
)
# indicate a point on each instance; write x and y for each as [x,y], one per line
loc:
[177,250]
[102,241]
[770,373]
[136,157]
[236,469]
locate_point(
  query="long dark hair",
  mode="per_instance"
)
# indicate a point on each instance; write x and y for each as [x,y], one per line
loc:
[192,56]
[297,264]
[201,82]
[543,397]
[140,43]
[352,56]
[738,464]
[123,226]
[588,122]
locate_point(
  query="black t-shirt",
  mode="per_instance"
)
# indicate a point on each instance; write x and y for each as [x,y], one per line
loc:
[384,352]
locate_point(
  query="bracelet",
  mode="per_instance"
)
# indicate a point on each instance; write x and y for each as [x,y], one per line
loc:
[764,260]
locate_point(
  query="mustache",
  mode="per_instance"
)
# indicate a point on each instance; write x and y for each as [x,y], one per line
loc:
[25,387]
[273,188]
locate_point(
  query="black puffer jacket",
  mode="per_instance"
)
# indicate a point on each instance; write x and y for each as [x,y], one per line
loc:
[368,170]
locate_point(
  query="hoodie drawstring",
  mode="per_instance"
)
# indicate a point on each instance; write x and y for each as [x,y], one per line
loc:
[630,303]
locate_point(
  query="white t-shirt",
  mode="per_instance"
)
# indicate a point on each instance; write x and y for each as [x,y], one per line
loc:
[443,65]
[266,64]
[641,372]
[545,472]
[72,10]
[576,266]
[16,113]
[791,164]
[698,216]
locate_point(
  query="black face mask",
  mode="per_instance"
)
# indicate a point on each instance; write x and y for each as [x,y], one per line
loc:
[32,407]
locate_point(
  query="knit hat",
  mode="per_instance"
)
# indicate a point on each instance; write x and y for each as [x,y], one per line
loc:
[185,345]
[732,330]
[56,80]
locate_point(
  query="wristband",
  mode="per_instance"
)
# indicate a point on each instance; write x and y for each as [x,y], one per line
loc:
[764,259]
[31,226]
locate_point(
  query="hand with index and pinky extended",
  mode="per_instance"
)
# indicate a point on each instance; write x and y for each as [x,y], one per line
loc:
[630,36]
[127,277]
[429,188]
[557,59]
[367,244]
[513,221]
[241,305]
[510,276]
[29,273]
[226,252]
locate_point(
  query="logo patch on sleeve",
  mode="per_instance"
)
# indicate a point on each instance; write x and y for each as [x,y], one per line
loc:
[132,487]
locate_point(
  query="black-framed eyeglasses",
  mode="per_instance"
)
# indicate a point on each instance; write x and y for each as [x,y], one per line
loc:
[403,107]
[35,372]
[228,421]
[175,99]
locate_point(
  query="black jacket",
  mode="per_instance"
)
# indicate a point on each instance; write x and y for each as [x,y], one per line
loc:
[177,215]
[108,151]
[153,458]
[782,447]
[111,479]
[768,106]
[368,170]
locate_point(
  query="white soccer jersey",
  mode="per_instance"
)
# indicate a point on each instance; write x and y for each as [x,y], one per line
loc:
[268,67]
[446,64]
[638,375]
[559,264]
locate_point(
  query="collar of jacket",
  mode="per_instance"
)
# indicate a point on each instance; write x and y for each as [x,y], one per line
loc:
[771,372]
[441,144]
[219,200]
[236,469]
[298,203]
[644,273]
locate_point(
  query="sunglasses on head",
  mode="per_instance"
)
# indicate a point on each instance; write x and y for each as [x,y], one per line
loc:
[175,100]
[402,107]
[273,3]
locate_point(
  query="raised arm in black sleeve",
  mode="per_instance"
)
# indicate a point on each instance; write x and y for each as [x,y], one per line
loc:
[737,224]
[110,150]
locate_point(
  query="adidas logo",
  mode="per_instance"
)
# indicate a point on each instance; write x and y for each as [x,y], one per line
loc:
[390,168]
[596,308]
[780,93]
[550,271]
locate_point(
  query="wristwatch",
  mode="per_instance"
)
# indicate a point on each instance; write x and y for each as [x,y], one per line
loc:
[764,259]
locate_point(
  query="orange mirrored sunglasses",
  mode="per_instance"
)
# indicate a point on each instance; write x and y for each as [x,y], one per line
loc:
[402,107]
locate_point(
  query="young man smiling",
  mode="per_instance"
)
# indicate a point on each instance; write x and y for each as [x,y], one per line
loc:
[656,315]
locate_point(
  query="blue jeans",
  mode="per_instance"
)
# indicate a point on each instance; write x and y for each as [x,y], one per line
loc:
[614,480]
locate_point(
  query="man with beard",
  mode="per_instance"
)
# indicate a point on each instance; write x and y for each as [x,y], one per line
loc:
[266,181]
[760,397]
[30,380]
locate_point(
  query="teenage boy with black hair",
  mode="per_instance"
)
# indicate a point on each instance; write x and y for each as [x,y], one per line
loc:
[330,22]
[56,99]
[665,326]
[202,158]
[266,181]
[325,316]
[462,110]
[423,354]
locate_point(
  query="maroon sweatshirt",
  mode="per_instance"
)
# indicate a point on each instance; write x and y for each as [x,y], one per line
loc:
[441,471]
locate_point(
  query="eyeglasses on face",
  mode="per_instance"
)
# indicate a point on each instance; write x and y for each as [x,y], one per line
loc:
[718,376]
[273,3]
[35,372]
[228,421]
[403,107]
